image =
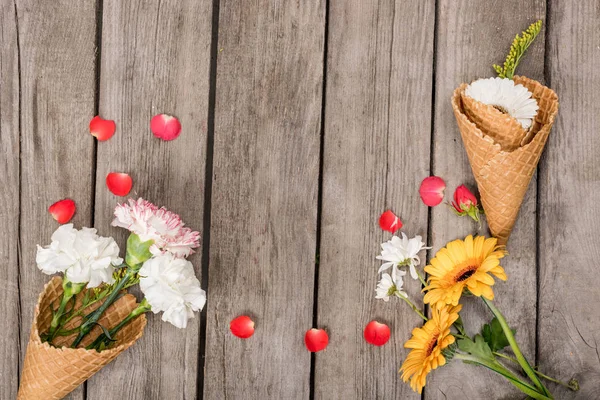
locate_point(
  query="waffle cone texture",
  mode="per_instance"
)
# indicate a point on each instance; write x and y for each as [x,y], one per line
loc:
[503,155]
[53,372]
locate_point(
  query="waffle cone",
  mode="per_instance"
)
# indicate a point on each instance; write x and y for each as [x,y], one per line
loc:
[503,159]
[53,372]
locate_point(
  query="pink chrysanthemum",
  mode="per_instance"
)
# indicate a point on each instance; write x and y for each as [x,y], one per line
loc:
[159,224]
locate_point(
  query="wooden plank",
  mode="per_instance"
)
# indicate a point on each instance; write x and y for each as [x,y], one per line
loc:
[377,142]
[471,36]
[568,249]
[57,59]
[9,198]
[264,203]
[155,59]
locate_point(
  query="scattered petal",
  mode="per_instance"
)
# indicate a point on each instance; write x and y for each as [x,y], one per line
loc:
[62,210]
[376,333]
[165,127]
[316,340]
[432,190]
[242,327]
[102,129]
[119,183]
[389,222]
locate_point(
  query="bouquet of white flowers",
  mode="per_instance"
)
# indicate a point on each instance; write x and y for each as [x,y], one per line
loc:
[86,318]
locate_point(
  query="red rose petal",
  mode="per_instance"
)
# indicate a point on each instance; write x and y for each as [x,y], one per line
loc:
[242,327]
[389,222]
[316,340]
[165,127]
[102,129]
[119,183]
[62,210]
[376,333]
[432,190]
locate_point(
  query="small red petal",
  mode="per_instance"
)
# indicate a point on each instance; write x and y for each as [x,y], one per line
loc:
[389,222]
[119,183]
[432,190]
[102,129]
[242,327]
[62,210]
[316,340]
[165,127]
[377,334]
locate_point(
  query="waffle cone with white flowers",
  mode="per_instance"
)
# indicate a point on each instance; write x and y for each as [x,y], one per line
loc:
[53,372]
[502,153]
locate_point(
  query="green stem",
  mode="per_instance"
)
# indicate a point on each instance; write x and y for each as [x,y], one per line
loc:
[500,369]
[93,318]
[515,347]
[70,290]
[423,281]
[541,375]
[414,308]
[142,308]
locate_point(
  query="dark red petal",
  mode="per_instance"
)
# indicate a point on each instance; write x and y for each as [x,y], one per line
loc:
[316,340]
[242,327]
[377,334]
[432,190]
[389,222]
[102,129]
[165,127]
[62,210]
[119,183]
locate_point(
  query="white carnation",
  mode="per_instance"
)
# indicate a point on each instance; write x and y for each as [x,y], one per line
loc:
[170,285]
[81,255]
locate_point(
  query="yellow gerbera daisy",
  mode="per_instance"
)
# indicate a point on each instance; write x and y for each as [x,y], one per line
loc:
[427,344]
[464,264]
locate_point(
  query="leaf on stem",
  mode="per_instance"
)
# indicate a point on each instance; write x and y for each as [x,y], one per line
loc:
[477,347]
[494,335]
[137,251]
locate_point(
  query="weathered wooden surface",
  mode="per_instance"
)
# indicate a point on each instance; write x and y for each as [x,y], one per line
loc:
[471,36]
[381,61]
[377,140]
[155,59]
[264,199]
[57,59]
[569,213]
[9,198]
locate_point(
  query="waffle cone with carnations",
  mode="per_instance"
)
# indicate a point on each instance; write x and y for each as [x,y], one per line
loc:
[503,158]
[53,372]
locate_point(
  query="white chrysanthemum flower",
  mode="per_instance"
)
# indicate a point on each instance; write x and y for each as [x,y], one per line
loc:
[81,255]
[401,252]
[170,285]
[159,224]
[389,287]
[503,94]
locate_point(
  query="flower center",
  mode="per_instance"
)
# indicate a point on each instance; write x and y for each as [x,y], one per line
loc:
[465,273]
[501,109]
[432,343]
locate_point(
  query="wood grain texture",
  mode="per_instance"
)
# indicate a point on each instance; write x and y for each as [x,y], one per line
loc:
[471,36]
[9,198]
[155,59]
[57,59]
[264,203]
[377,142]
[568,334]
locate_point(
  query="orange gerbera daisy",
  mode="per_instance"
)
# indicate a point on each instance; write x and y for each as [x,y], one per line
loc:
[427,344]
[464,264]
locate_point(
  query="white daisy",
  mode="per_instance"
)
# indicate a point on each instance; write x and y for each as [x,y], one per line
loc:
[401,252]
[504,95]
[389,287]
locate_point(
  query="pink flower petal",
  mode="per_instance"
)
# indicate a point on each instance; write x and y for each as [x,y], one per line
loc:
[389,222]
[432,190]
[376,333]
[165,127]
[102,129]
[242,327]
[119,183]
[316,340]
[62,210]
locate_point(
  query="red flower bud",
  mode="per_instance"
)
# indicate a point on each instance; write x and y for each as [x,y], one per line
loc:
[465,203]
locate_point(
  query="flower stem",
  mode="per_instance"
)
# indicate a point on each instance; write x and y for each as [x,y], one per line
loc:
[573,385]
[142,308]
[423,281]
[93,318]
[70,290]
[500,369]
[411,304]
[515,347]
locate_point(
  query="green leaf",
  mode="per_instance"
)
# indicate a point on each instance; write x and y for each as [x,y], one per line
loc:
[494,335]
[477,347]
[137,251]
[519,45]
